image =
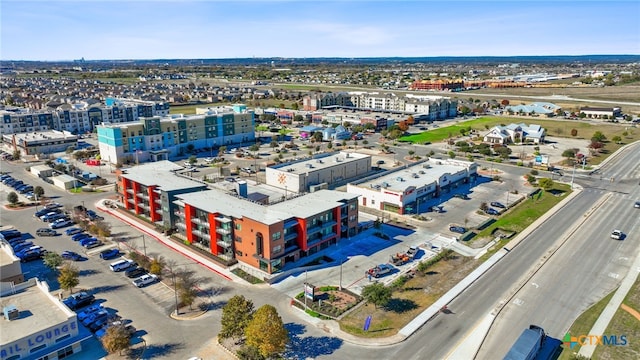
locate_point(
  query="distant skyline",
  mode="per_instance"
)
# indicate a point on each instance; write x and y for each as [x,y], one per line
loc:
[171,29]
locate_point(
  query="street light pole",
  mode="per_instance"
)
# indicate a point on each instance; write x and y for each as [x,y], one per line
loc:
[144,246]
[573,175]
[175,291]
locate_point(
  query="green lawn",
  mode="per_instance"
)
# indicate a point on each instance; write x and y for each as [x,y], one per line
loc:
[524,214]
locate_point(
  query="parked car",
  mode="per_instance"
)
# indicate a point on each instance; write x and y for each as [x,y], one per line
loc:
[92,244]
[73,231]
[135,272]
[80,236]
[78,300]
[18,247]
[109,254]
[42,212]
[492,211]
[86,240]
[145,280]
[46,232]
[128,327]
[30,256]
[61,223]
[92,215]
[121,265]
[637,205]
[461,196]
[70,255]
[25,189]
[498,205]
[379,270]
[52,205]
[101,314]
[457,229]
[88,311]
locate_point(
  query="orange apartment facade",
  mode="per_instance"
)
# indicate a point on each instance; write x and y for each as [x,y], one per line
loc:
[266,237]
[231,227]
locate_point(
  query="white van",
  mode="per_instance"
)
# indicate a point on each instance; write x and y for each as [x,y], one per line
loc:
[120,265]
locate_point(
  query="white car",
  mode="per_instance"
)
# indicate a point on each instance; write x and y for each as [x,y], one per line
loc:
[637,205]
[145,280]
[616,234]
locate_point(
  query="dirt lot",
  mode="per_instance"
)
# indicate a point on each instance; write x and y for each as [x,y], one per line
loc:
[414,297]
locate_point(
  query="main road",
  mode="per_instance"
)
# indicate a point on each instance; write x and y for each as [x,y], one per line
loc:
[601,263]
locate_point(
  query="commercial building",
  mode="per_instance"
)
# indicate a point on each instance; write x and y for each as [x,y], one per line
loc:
[324,171]
[438,85]
[43,142]
[161,138]
[403,190]
[265,237]
[596,112]
[149,190]
[515,133]
[10,269]
[37,325]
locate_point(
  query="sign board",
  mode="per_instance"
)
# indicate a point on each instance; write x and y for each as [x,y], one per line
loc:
[309,291]
[367,323]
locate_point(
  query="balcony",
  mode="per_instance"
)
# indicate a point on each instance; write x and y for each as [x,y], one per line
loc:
[290,236]
[199,221]
[130,191]
[157,201]
[289,223]
[225,243]
[223,220]
[223,231]
[181,225]
[201,234]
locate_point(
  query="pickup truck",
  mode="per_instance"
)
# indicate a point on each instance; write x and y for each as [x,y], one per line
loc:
[379,270]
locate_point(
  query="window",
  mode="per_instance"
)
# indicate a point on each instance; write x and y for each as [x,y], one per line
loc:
[239,253]
[63,338]
[238,226]
[63,353]
[38,348]
[238,239]
[373,202]
[277,249]
[276,236]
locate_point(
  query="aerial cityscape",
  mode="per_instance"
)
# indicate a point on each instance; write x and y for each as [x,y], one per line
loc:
[320,180]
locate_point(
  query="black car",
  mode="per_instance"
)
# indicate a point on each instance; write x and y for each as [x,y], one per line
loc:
[492,211]
[76,301]
[31,256]
[109,254]
[461,196]
[457,229]
[498,205]
[135,272]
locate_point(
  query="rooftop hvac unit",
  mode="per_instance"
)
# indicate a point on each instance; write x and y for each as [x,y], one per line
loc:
[415,176]
[421,172]
[399,179]
[385,184]
[11,312]
[310,166]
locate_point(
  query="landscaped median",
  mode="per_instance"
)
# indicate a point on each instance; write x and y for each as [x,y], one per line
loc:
[412,293]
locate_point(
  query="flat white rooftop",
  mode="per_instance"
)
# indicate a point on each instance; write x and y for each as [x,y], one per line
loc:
[317,164]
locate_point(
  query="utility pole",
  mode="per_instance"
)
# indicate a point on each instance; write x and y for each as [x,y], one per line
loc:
[144,246]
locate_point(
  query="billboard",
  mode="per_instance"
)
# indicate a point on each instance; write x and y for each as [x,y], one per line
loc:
[309,291]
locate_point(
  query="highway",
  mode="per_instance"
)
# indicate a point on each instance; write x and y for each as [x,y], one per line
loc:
[436,338]
[585,269]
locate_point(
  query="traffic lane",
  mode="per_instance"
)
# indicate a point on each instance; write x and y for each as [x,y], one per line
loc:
[434,341]
[592,265]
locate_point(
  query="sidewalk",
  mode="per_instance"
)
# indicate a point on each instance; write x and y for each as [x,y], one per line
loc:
[610,310]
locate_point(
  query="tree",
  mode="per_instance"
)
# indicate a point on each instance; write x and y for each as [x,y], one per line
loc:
[410,120]
[616,139]
[267,332]
[156,265]
[16,154]
[569,153]
[377,294]
[546,183]
[452,154]
[116,338]
[193,159]
[503,151]
[68,277]
[298,118]
[403,126]
[254,148]
[236,315]
[187,287]
[38,191]
[12,198]
[531,179]
[52,260]
[222,149]
[574,132]
[598,136]
[484,206]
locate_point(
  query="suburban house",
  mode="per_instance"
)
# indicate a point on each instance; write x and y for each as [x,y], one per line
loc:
[515,133]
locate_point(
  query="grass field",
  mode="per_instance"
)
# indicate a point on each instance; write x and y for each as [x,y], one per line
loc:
[555,128]
[524,214]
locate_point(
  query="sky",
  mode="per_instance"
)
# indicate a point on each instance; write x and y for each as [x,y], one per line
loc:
[174,29]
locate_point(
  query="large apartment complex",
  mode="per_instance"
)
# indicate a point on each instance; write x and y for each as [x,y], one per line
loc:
[161,138]
[80,118]
[263,231]
[430,107]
